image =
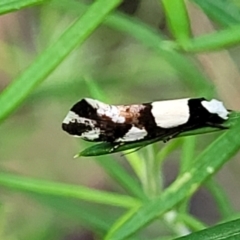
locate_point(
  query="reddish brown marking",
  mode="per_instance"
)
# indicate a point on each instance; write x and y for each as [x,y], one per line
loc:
[131,112]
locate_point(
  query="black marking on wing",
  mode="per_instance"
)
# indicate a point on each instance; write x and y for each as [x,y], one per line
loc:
[146,120]
[75,128]
[200,116]
[111,132]
[84,109]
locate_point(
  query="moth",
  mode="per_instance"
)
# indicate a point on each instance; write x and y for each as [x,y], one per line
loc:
[96,121]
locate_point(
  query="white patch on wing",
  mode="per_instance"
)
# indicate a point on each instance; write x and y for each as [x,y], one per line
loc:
[104,109]
[170,113]
[73,117]
[216,107]
[91,135]
[133,134]
[111,112]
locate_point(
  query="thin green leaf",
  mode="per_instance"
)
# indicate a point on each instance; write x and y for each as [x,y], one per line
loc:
[78,212]
[59,189]
[121,221]
[206,164]
[153,39]
[221,198]
[214,41]
[21,87]
[177,19]
[191,222]
[107,148]
[222,11]
[228,230]
[185,68]
[15,5]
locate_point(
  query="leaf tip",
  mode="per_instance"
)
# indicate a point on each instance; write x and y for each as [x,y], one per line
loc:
[77,156]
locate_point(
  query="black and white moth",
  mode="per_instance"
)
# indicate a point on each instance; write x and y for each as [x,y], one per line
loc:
[96,121]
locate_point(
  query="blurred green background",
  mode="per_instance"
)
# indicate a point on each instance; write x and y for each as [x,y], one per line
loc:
[113,67]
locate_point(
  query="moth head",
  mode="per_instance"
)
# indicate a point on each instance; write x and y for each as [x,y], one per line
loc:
[216,107]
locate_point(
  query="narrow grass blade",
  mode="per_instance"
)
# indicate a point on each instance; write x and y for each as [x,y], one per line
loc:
[186,184]
[77,211]
[59,189]
[10,6]
[177,19]
[153,39]
[21,87]
[222,11]
[228,231]
[214,41]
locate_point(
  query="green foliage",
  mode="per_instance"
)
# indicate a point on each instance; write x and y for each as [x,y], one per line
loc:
[229,230]
[145,200]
